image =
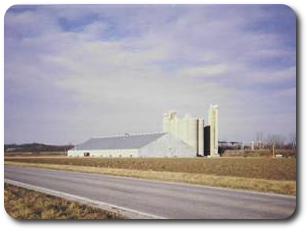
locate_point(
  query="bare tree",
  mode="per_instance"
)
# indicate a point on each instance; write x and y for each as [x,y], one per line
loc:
[292,138]
[271,143]
[275,141]
[259,139]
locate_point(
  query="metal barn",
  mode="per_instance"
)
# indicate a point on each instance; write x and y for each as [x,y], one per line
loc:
[145,145]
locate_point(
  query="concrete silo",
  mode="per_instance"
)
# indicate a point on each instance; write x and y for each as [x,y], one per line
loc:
[168,122]
[184,128]
[192,133]
[213,122]
[200,137]
[188,129]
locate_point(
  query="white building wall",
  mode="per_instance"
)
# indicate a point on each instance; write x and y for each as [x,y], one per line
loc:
[105,153]
[167,146]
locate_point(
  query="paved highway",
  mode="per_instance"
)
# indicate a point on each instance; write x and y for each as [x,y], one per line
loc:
[163,199]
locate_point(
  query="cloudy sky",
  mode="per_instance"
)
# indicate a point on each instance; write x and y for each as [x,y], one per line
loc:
[80,71]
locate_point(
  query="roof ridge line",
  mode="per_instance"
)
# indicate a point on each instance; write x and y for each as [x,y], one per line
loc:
[135,134]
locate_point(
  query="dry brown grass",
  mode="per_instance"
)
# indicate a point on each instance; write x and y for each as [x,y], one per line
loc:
[21,203]
[287,153]
[258,168]
[262,185]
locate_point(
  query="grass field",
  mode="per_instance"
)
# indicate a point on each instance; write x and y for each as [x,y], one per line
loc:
[287,153]
[21,203]
[258,168]
[259,174]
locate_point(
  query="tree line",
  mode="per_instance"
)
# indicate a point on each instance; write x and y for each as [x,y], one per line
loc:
[277,140]
[36,147]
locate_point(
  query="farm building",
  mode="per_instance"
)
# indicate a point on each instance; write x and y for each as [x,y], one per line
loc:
[182,137]
[146,145]
[191,130]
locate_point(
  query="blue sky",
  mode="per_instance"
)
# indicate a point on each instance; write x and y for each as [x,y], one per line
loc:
[79,71]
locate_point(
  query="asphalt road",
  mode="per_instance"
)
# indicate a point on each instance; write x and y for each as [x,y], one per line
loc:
[169,200]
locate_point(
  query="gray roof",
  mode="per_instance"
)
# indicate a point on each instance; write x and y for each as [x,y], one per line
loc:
[120,142]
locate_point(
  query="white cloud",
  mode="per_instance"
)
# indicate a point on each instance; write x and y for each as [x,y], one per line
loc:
[272,76]
[207,70]
[28,24]
[126,83]
[286,93]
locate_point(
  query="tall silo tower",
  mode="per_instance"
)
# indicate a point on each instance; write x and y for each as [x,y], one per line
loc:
[213,122]
[188,129]
[200,137]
